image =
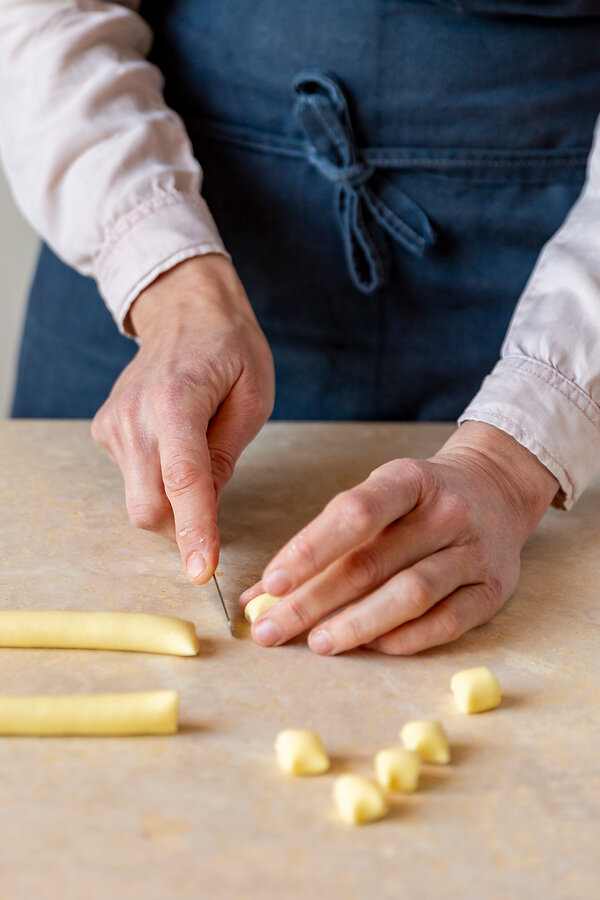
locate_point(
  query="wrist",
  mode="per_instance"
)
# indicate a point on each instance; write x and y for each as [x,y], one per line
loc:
[203,285]
[526,482]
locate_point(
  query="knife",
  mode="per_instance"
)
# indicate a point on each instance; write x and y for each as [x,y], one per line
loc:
[223,604]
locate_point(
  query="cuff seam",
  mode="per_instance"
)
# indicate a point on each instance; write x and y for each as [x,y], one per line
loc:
[130,220]
[567,388]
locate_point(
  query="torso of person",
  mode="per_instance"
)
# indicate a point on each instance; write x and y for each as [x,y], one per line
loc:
[384,174]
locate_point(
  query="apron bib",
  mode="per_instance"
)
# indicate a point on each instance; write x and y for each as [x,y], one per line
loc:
[384,174]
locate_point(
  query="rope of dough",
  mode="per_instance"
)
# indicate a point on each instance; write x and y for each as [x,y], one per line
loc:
[98,631]
[146,712]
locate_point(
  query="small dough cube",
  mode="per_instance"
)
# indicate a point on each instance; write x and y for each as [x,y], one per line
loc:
[301,753]
[398,769]
[259,605]
[476,690]
[429,739]
[359,799]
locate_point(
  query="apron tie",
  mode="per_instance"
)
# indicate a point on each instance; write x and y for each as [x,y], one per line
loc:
[366,201]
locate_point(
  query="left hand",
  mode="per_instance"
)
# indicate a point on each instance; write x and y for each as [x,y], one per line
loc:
[413,557]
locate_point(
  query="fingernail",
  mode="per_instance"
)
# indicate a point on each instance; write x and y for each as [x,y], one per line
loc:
[320,642]
[266,633]
[277,583]
[196,564]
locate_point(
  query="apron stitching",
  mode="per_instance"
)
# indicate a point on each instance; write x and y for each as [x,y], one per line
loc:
[384,157]
[415,162]
[386,213]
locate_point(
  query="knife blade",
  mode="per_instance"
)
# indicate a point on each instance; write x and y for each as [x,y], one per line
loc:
[223,605]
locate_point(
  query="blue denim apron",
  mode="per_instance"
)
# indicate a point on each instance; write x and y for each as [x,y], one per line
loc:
[384,174]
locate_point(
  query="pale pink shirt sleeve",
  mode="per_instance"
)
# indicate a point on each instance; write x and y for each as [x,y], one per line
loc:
[97,162]
[545,390]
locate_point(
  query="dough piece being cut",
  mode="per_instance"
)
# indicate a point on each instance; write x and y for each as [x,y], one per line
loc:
[398,769]
[301,753]
[259,605]
[429,739]
[98,631]
[359,799]
[475,690]
[150,712]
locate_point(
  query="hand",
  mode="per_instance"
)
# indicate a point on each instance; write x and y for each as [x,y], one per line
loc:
[413,557]
[199,389]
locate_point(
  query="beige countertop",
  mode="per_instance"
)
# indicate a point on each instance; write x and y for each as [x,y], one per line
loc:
[206,813]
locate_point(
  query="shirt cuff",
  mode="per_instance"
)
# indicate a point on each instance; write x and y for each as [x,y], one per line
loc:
[548,414]
[148,241]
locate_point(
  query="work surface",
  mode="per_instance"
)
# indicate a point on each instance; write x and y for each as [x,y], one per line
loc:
[206,813]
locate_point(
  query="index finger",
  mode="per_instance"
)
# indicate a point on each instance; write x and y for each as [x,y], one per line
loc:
[350,519]
[187,476]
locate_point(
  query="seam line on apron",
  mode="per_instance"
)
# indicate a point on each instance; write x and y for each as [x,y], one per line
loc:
[445,158]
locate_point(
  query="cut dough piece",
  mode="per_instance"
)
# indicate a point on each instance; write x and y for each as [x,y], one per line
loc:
[429,739]
[98,631]
[301,753]
[149,712]
[259,605]
[476,690]
[398,769]
[359,799]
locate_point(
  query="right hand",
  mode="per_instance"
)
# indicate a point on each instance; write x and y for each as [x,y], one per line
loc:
[199,389]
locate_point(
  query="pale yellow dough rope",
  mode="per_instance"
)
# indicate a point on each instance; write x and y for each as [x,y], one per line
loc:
[149,712]
[98,631]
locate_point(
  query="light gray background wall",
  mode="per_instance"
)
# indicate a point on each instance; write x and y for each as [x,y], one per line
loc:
[18,249]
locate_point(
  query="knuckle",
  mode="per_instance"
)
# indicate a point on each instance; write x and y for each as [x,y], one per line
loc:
[478,557]
[104,428]
[353,632]
[127,406]
[146,515]
[259,401]
[99,422]
[494,589]
[223,464]
[267,402]
[399,644]
[179,474]
[301,550]
[451,624]
[416,593]
[414,472]
[362,570]
[97,427]
[166,396]
[457,511]
[491,597]
[300,613]
[166,392]
[358,511]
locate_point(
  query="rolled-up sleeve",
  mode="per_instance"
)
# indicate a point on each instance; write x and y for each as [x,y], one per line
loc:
[545,390]
[97,162]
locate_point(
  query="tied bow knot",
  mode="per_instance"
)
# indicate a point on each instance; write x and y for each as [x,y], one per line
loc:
[363,211]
